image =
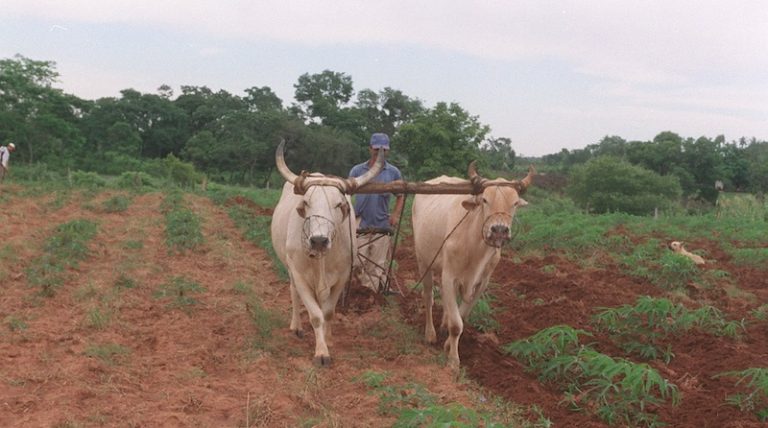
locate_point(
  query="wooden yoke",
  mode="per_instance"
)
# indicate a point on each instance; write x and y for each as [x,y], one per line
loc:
[419,187]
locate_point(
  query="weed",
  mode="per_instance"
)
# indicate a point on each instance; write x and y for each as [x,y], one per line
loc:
[108,353]
[15,324]
[89,180]
[405,340]
[755,380]
[180,290]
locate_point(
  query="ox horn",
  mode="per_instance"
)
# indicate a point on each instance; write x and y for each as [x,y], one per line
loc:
[281,166]
[353,183]
[525,182]
[476,179]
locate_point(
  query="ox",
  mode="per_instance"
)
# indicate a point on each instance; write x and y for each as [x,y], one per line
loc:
[679,248]
[313,236]
[460,238]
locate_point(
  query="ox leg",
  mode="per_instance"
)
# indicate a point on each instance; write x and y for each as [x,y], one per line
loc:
[329,309]
[317,319]
[296,312]
[429,328]
[454,323]
[470,298]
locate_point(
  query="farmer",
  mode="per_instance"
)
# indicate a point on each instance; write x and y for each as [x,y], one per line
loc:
[5,154]
[374,229]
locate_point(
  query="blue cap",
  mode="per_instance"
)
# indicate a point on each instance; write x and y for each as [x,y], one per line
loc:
[380,140]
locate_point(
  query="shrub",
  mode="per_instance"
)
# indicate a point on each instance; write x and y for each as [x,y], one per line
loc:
[135,180]
[90,180]
[607,184]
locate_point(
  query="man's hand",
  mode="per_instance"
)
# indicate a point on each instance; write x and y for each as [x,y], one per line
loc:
[393,220]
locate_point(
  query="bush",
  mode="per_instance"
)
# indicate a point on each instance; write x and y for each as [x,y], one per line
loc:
[608,184]
[87,179]
[135,180]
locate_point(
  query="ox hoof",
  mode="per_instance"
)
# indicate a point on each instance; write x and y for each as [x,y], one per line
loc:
[322,361]
[298,333]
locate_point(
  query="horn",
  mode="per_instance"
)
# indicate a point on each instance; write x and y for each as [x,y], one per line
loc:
[528,178]
[281,166]
[353,183]
[476,179]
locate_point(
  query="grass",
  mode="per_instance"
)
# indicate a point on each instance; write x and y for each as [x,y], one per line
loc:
[108,353]
[413,405]
[256,229]
[404,339]
[67,246]
[15,324]
[482,315]
[182,225]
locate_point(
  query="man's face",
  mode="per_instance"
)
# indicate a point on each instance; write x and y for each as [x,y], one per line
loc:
[375,152]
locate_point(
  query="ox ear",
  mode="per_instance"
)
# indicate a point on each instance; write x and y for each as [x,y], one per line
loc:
[522,202]
[302,209]
[471,203]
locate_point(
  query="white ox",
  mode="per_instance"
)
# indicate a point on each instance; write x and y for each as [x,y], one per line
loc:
[313,235]
[463,236]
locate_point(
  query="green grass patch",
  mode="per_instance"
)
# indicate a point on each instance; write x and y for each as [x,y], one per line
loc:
[63,249]
[482,315]
[15,324]
[182,225]
[255,228]
[108,353]
[415,406]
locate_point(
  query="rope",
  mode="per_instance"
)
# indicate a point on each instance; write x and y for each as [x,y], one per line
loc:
[386,289]
[428,270]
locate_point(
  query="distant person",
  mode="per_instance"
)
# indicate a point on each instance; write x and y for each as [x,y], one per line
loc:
[5,155]
[374,229]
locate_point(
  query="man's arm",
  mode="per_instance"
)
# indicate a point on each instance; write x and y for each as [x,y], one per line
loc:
[398,211]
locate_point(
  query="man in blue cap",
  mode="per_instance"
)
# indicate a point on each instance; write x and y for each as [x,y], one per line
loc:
[374,220]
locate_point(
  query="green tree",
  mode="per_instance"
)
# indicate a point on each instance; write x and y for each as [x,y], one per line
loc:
[442,140]
[607,184]
[498,154]
[41,119]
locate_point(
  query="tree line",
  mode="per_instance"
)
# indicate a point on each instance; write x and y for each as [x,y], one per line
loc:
[232,138]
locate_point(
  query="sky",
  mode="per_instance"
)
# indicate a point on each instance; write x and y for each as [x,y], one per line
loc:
[547,74]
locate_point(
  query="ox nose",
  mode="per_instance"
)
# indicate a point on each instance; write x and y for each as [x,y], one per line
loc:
[499,229]
[319,241]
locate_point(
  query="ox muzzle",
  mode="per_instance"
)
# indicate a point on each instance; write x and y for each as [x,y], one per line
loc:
[497,229]
[317,235]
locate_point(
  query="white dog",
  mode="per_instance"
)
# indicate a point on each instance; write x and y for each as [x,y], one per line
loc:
[678,247]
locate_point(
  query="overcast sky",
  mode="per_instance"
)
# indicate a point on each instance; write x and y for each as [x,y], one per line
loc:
[546,74]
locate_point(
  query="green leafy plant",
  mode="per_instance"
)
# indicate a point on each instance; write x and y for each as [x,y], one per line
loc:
[617,390]
[755,399]
[15,324]
[645,328]
[88,179]
[482,314]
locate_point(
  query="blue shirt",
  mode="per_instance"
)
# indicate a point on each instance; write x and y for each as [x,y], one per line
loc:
[373,209]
